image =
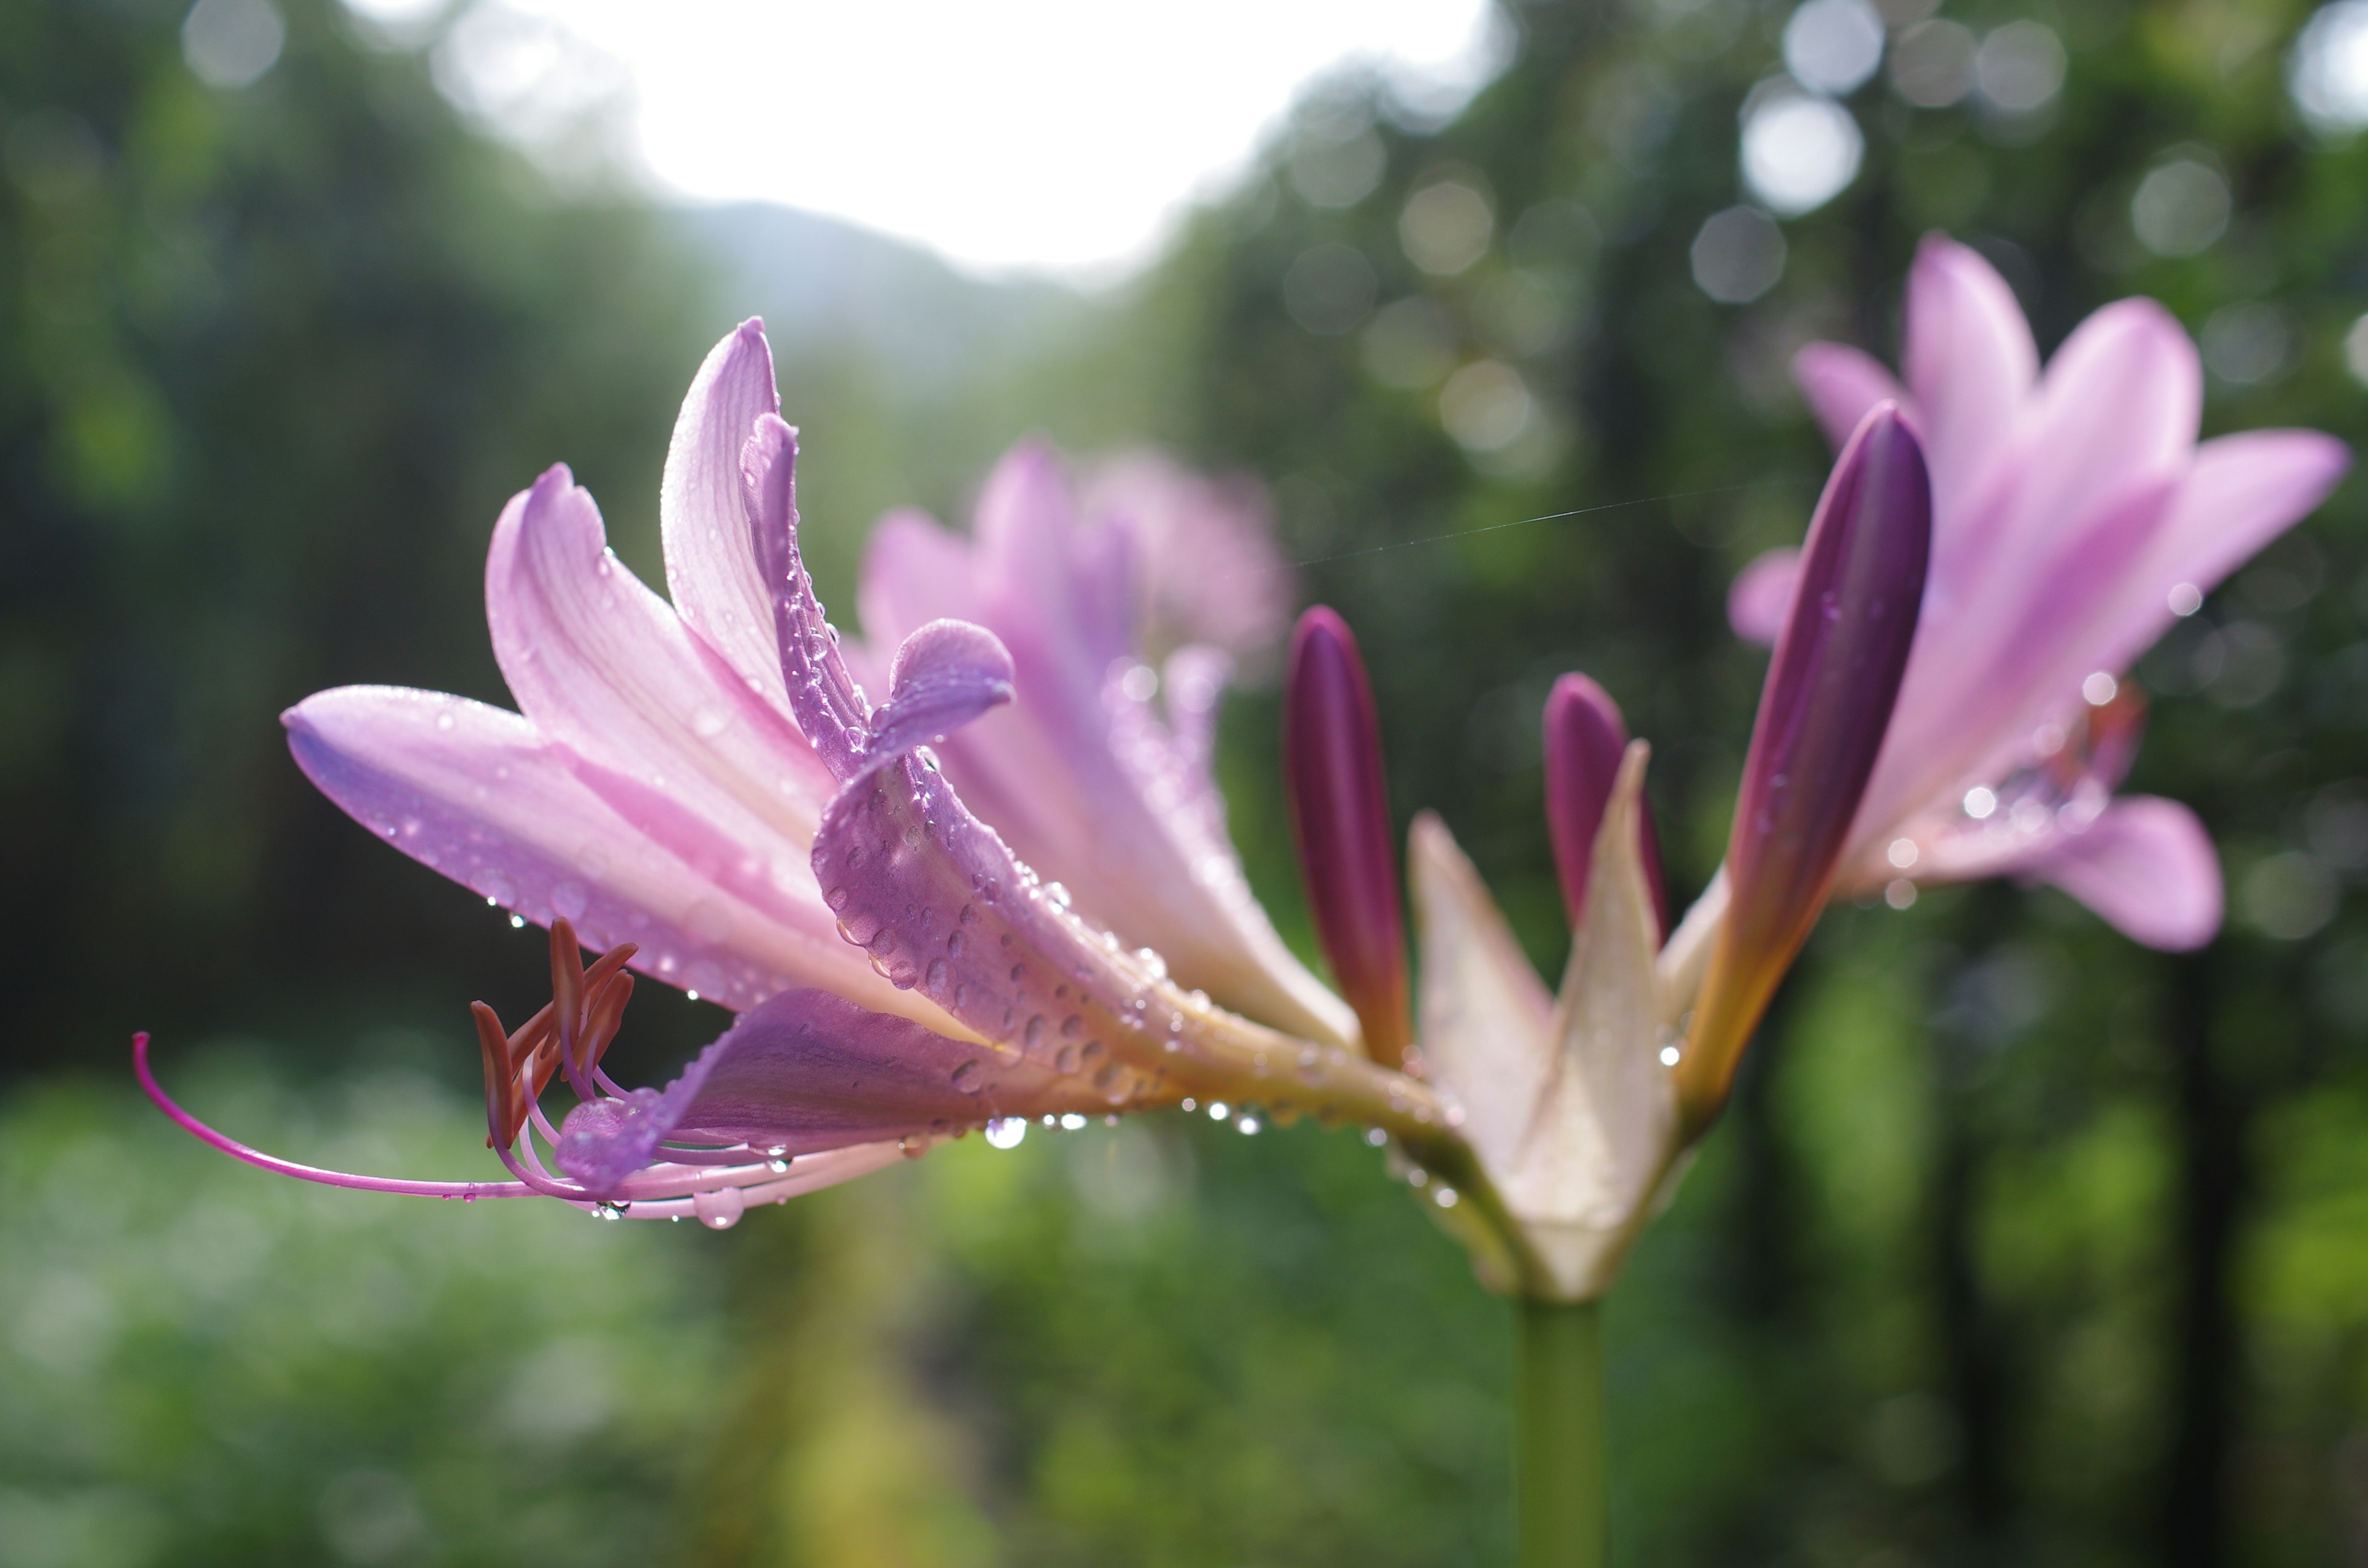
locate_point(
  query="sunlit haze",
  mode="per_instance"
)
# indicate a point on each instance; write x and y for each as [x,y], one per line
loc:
[1065,135]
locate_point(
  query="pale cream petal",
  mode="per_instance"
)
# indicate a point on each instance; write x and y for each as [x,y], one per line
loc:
[1605,1122]
[1484,1013]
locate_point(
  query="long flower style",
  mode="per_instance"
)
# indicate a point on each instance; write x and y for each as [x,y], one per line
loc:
[1579,1107]
[703,789]
[2076,517]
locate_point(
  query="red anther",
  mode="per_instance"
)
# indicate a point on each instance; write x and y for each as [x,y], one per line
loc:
[605,1018]
[567,983]
[500,1075]
[573,1031]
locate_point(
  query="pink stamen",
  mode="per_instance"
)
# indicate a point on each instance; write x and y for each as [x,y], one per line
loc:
[659,1192]
[470,1191]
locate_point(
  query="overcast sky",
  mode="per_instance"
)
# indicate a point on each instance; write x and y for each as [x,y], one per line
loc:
[1063,136]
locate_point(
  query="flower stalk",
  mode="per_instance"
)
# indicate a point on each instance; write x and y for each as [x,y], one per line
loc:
[1559,1447]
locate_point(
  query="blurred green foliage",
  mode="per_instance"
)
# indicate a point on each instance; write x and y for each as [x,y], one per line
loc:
[203,1363]
[2021,1245]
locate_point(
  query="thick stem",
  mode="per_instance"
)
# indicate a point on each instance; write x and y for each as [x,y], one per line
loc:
[1558,1438]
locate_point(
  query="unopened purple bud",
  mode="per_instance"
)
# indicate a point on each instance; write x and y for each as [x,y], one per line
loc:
[1340,819]
[1823,715]
[1585,738]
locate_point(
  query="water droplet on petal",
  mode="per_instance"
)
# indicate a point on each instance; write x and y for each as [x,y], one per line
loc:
[936,980]
[1058,894]
[969,1078]
[611,1211]
[1006,1131]
[720,1210]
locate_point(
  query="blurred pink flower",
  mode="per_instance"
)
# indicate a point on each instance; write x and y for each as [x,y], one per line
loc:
[702,788]
[2074,517]
[1099,772]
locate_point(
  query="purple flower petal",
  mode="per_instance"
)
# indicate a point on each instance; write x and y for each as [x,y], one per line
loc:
[1970,363]
[1205,553]
[602,665]
[1098,773]
[1841,383]
[808,1072]
[2241,492]
[1340,822]
[477,794]
[711,552]
[1585,741]
[1973,701]
[946,675]
[1822,717]
[830,709]
[2147,865]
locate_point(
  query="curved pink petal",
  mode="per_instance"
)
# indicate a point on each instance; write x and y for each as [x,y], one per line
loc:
[477,794]
[1841,383]
[602,664]
[2241,492]
[1762,595]
[2118,408]
[2147,865]
[916,571]
[1969,361]
[1978,689]
[946,675]
[709,556]
[1209,572]
[1085,777]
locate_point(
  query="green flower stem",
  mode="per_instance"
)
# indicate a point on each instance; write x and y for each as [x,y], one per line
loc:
[1558,1450]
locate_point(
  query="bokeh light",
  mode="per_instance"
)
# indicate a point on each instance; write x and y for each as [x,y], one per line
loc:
[2020,66]
[1738,255]
[2180,206]
[1832,46]
[1932,63]
[2329,69]
[1799,153]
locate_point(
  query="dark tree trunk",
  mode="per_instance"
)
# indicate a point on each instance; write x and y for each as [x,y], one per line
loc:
[2212,1115]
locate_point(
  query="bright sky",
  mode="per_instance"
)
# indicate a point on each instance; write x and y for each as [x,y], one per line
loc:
[1051,135]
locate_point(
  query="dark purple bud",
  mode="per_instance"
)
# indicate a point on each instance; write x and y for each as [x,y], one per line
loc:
[1822,719]
[1340,819]
[1585,741]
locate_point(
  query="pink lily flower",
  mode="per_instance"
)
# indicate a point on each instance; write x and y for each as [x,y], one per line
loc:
[2076,517]
[701,788]
[1578,1108]
[1083,775]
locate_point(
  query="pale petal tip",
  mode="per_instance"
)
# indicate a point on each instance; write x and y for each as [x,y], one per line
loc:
[1761,596]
